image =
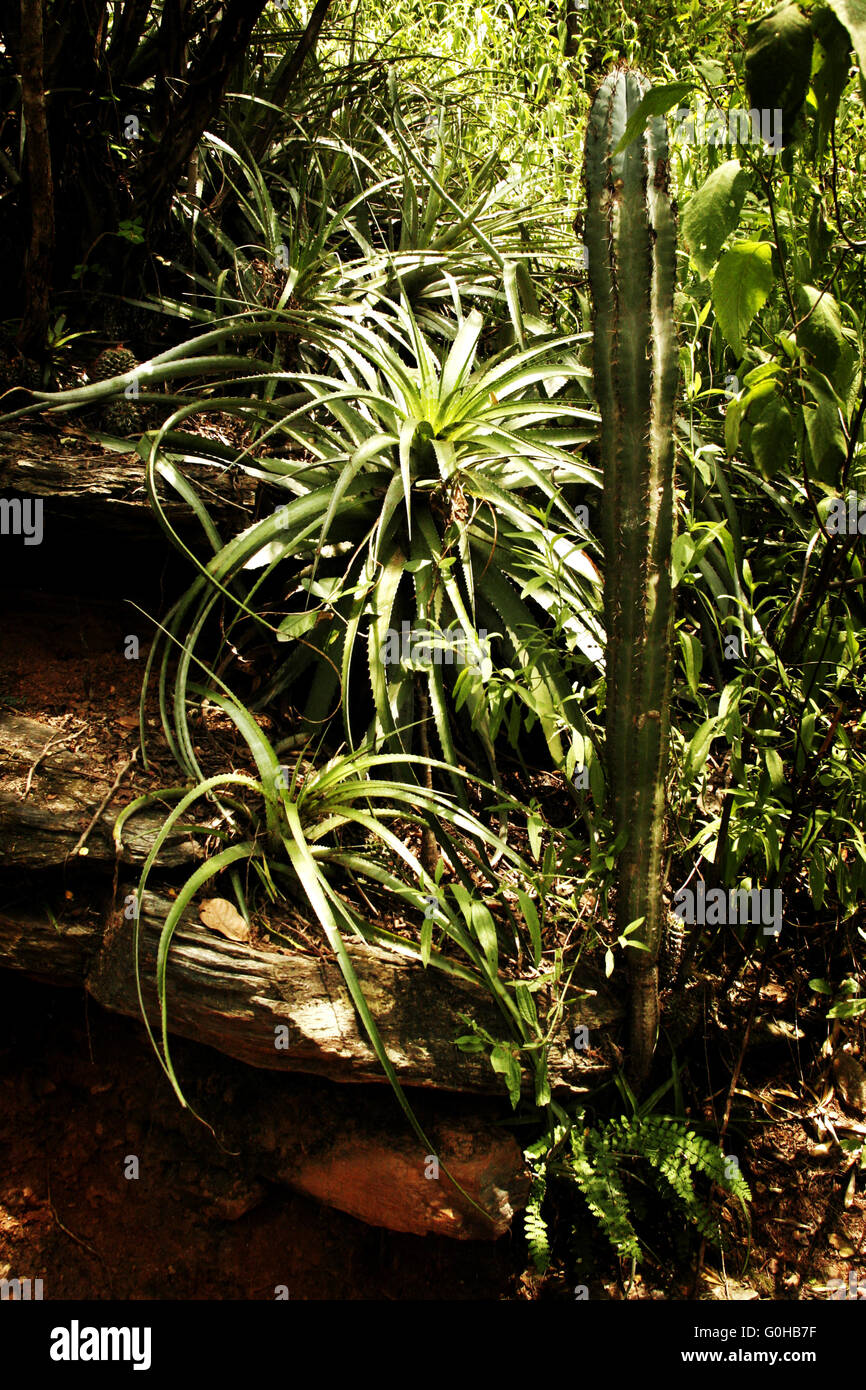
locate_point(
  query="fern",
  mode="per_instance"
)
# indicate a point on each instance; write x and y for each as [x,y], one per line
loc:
[596,1161]
[535,1225]
[602,1189]
[674,1151]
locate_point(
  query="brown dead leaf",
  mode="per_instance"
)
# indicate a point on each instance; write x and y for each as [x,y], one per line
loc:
[221,916]
[774,991]
[841,1245]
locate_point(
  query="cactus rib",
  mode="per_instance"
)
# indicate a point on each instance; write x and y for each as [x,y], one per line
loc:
[630,234]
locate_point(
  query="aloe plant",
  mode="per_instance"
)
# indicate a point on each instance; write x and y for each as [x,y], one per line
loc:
[425,488]
[630,235]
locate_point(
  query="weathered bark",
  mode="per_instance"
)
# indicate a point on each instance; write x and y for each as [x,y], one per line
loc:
[57,955]
[233,996]
[126,34]
[247,1000]
[172,64]
[40,255]
[49,796]
[208,80]
[102,487]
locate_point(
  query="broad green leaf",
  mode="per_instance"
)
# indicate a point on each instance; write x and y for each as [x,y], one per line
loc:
[821,986]
[296,624]
[426,938]
[530,917]
[504,1061]
[757,374]
[741,284]
[535,827]
[824,428]
[542,1084]
[526,1004]
[713,212]
[469,1042]
[775,768]
[779,63]
[693,656]
[733,420]
[480,923]
[820,332]
[852,13]
[696,754]
[596,781]
[848,1008]
[771,440]
[830,77]
[657,101]
[682,556]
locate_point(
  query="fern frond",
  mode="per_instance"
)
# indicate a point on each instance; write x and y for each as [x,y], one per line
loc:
[596,1160]
[674,1151]
[601,1185]
[535,1225]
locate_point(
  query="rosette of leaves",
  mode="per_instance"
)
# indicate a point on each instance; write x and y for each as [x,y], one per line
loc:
[332,837]
[430,493]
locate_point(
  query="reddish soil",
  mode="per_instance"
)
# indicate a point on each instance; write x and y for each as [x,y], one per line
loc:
[80,1090]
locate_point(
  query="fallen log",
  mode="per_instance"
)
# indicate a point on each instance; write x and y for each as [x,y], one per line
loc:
[79,479]
[286,1011]
[287,1015]
[49,796]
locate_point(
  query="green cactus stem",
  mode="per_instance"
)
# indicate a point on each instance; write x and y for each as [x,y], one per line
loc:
[630,235]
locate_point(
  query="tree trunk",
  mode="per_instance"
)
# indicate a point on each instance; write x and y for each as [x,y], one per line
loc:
[39,260]
[287,75]
[208,79]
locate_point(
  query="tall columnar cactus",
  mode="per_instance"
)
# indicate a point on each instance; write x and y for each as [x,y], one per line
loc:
[630,235]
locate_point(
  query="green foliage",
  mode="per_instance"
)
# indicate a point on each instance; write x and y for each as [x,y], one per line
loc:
[779,62]
[742,281]
[602,1160]
[317,831]
[382,322]
[534,1225]
[852,15]
[713,212]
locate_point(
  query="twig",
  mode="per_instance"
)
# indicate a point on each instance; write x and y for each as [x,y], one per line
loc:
[52,743]
[738,1068]
[102,805]
[71,1234]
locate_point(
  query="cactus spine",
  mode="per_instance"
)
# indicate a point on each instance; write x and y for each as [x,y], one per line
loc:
[630,234]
